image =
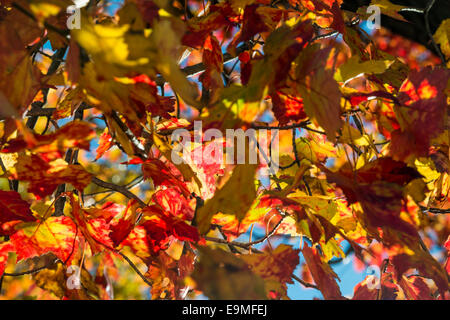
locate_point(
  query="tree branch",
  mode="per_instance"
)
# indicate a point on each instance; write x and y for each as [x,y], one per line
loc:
[195,69]
[135,268]
[121,189]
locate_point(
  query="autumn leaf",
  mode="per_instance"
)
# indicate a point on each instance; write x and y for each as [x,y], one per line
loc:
[421,114]
[56,234]
[96,230]
[319,90]
[378,188]
[45,177]
[373,288]
[442,37]
[221,275]
[275,267]
[323,275]
[76,134]
[415,288]
[226,200]
[180,208]
[5,248]
[389,9]
[426,265]
[13,207]
[104,144]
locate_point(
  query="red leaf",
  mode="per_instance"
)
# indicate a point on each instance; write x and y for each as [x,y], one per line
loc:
[96,231]
[174,202]
[122,224]
[76,134]
[415,288]
[287,108]
[12,207]
[426,265]
[5,248]
[378,188]
[323,275]
[105,142]
[447,263]
[56,234]
[160,223]
[162,175]
[422,114]
[45,177]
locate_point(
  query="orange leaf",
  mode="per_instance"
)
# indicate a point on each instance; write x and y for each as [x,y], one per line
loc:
[323,275]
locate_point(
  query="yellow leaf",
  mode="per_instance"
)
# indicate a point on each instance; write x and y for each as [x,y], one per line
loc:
[167,41]
[354,68]
[52,279]
[115,49]
[442,37]
[235,197]
[351,135]
[386,7]
[184,168]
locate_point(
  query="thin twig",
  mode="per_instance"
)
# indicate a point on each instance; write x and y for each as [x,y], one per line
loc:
[132,265]
[23,273]
[195,69]
[303,125]
[121,189]
[434,210]
[71,157]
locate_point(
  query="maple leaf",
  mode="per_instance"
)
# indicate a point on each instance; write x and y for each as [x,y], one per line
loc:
[163,277]
[256,19]
[275,267]
[96,230]
[158,222]
[45,177]
[157,230]
[13,207]
[164,175]
[447,263]
[105,142]
[422,113]
[5,248]
[166,281]
[174,202]
[198,28]
[353,68]
[323,275]
[227,200]
[140,244]
[213,60]
[415,288]
[76,134]
[19,77]
[425,263]
[56,234]
[442,37]
[221,275]
[52,279]
[167,42]
[389,9]
[123,223]
[372,288]
[378,188]
[287,108]
[320,92]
